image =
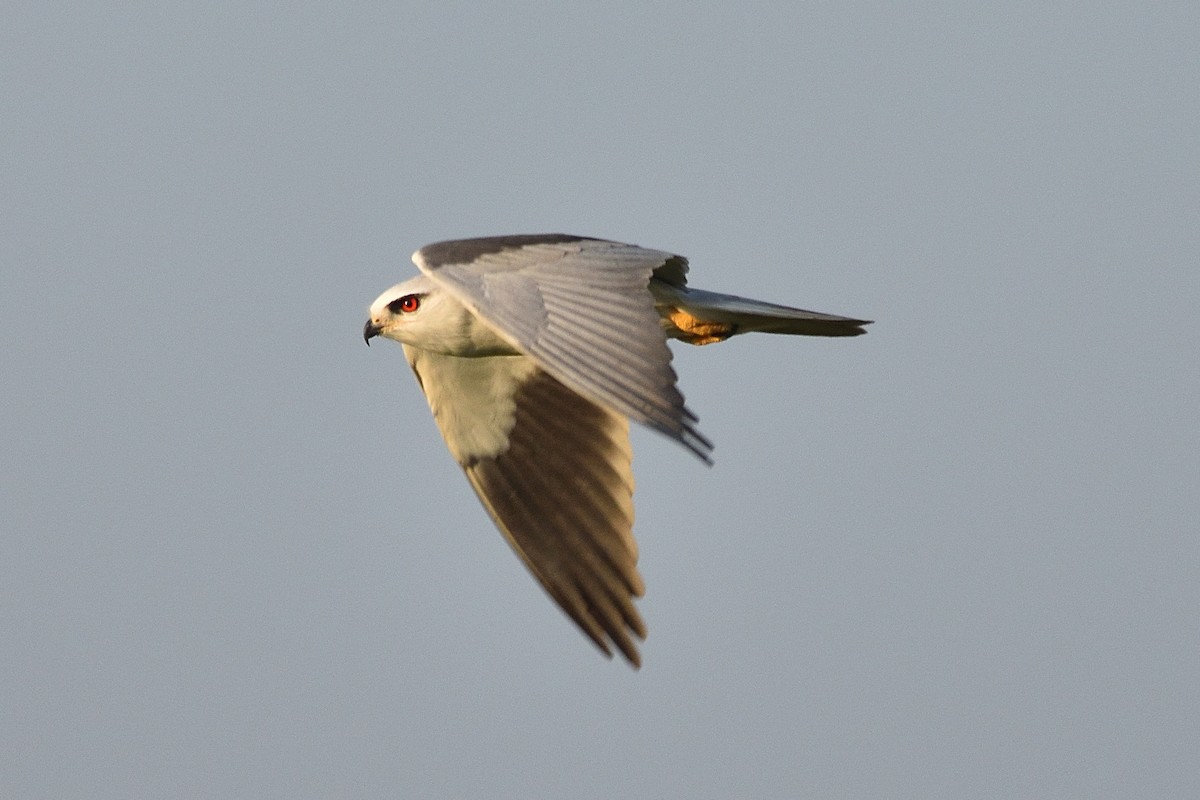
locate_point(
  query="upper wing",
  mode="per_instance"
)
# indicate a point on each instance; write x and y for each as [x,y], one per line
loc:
[582,309]
[552,469]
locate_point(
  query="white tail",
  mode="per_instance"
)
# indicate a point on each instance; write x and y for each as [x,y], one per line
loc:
[699,317]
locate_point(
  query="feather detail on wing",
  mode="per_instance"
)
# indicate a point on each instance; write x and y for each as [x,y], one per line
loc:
[552,468]
[581,308]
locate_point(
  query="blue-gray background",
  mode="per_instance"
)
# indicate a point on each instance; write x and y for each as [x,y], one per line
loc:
[954,558]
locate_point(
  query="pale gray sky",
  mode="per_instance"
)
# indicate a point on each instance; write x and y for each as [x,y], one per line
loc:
[954,558]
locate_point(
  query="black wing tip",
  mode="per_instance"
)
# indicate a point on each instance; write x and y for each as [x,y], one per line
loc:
[604,639]
[685,433]
[628,650]
[691,437]
[700,446]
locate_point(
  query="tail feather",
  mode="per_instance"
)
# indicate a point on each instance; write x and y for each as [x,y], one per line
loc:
[701,317]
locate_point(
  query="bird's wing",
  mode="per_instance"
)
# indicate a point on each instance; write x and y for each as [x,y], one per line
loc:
[552,468]
[582,309]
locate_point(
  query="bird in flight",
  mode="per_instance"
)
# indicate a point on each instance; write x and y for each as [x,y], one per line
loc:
[534,352]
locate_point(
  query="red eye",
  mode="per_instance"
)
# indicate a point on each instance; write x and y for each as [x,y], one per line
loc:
[407,304]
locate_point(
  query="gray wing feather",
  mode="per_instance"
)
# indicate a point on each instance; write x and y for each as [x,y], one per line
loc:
[583,310]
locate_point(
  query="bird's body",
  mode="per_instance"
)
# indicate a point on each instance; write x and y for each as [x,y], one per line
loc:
[534,352]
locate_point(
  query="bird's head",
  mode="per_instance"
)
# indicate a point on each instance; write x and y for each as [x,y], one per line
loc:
[420,314]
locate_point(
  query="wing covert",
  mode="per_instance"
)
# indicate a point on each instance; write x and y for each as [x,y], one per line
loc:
[583,310]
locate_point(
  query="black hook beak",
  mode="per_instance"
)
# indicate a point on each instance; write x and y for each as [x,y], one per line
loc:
[370,331]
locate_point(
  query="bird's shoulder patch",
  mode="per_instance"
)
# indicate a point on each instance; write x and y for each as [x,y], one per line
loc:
[465,251]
